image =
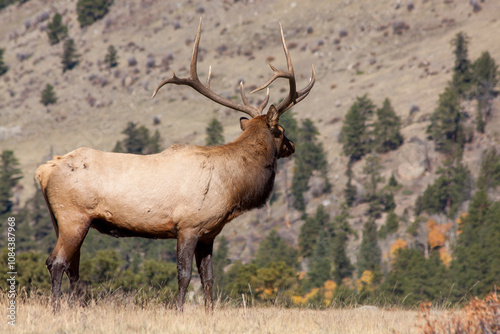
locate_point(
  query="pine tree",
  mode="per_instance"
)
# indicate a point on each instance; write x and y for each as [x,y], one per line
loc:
[414,279]
[69,57]
[214,133]
[10,174]
[378,201]
[220,260]
[392,222]
[320,266]
[274,249]
[489,173]
[354,134]
[111,58]
[485,80]
[446,129]
[3,67]
[449,190]
[311,229]
[386,132]
[462,74]
[474,253]
[138,140]
[369,255]
[89,11]
[310,156]
[48,95]
[342,267]
[56,30]
[350,190]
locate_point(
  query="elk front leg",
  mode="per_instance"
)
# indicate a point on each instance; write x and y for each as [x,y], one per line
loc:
[203,253]
[186,244]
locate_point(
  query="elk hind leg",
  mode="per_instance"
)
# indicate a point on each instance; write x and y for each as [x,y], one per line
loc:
[65,256]
[73,274]
[203,254]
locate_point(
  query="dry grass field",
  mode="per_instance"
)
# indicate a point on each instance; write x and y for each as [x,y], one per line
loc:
[35,316]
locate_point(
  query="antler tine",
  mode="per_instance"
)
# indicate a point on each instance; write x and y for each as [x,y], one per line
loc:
[193,82]
[264,103]
[209,77]
[244,98]
[301,94]
[293,97]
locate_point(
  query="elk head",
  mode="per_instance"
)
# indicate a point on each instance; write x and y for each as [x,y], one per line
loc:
[285,147]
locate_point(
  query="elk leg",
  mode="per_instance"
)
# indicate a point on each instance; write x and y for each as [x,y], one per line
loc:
[73,273]
[203,254]
[186,244]
[61,260]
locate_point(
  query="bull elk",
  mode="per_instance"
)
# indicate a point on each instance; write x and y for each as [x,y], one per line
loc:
[186,192]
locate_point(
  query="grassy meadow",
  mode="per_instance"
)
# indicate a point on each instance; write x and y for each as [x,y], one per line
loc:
[119,316]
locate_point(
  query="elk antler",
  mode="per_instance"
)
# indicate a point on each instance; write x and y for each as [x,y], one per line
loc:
[293,97]
[195,83]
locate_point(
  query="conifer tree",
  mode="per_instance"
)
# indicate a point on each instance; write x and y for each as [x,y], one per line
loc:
[354,134]
[138,140]
[89,11]
[220,261]
[214,133]
[69,56]
[320,266]
[3,67]
[449,190]
[310,156]
[10,174]
[274,249]
[48,95]
[350,190]
[485,81]
[414,279]
[311,229]
[386,131]
[462,74]
[446,129]
[56,30]
[342,267]
[477,248]
[111,58]
[369,255]
[489,173]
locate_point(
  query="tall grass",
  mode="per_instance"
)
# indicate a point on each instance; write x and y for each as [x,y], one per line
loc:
[121,313]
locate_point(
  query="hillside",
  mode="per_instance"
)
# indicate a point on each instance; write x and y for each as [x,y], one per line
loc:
[411,67]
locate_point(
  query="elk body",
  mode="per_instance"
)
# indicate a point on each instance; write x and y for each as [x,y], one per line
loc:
[185,192]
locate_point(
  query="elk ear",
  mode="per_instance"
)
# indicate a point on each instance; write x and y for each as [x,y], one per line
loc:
[272,117]
[243,123]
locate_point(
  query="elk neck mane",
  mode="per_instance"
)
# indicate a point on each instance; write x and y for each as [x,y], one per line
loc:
[247,166]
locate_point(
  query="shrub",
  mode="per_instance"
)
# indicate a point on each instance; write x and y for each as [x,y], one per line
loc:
[56,31]
[111,58]
[48,95]
[3,67]
[69,57]
[90,11]
[479,316]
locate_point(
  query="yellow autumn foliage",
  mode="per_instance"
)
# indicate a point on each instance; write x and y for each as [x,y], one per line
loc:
[436,233]
[365,281]
[398,244]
